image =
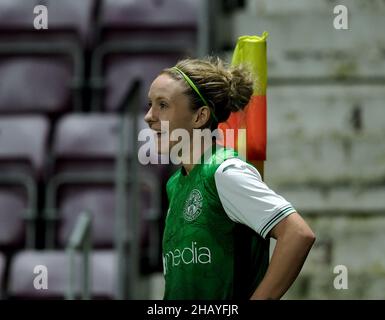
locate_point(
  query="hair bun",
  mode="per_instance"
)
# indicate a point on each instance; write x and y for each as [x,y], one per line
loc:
[226,89]
[240,88]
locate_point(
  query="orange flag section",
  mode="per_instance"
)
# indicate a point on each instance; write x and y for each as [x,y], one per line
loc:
[253,119]
[250,142]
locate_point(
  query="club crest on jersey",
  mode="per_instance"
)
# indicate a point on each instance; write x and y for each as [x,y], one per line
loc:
[193,205]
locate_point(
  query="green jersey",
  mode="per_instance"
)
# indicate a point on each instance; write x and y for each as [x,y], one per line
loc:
[210,248]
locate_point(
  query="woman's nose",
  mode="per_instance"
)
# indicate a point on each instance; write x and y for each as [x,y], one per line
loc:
[149,117]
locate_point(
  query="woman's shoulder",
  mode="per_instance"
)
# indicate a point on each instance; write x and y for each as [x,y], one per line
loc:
[235,169]
[218,155]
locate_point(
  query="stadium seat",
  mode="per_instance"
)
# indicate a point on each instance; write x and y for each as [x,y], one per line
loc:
[156,20]
[67,20]
[23,143]
[121,72]
[41,71]
[22,275]
[34,85]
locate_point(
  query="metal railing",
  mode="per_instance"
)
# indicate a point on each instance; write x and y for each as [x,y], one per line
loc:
[80,240]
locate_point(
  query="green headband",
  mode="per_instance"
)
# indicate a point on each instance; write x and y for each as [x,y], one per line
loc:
[194,87]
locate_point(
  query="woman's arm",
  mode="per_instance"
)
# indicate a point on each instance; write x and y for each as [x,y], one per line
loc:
[294,240]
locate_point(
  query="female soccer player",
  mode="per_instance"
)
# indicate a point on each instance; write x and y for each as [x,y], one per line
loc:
[221,214]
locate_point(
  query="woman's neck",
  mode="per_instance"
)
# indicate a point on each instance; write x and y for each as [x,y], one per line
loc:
[195,155]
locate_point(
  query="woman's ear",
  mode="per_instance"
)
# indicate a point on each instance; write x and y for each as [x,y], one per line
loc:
[201,117]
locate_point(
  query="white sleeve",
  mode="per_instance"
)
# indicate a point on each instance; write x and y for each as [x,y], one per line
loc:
[247,199]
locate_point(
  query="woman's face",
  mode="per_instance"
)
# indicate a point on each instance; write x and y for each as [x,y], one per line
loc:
[168,103]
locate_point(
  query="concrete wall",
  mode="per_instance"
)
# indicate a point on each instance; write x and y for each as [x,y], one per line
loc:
[326,134]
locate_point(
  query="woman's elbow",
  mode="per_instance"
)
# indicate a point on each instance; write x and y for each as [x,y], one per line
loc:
[303,233]
[309,237]
[294,227]
[306,236]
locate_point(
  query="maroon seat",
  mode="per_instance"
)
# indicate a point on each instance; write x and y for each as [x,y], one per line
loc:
[21,278]
[34,85]
[121,72]
[70,19]
[23,144]
[39,69]
[138,39]
[165,20]
[90,142]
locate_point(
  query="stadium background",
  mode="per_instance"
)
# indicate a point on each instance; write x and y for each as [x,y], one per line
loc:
[74,199]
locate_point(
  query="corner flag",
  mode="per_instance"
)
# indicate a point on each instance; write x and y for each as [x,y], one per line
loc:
[250,51]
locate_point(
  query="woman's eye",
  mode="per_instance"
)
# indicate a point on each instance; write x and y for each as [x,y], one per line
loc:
[163,105]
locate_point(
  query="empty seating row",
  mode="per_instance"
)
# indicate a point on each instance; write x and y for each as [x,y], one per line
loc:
[90,21]
[101,46]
